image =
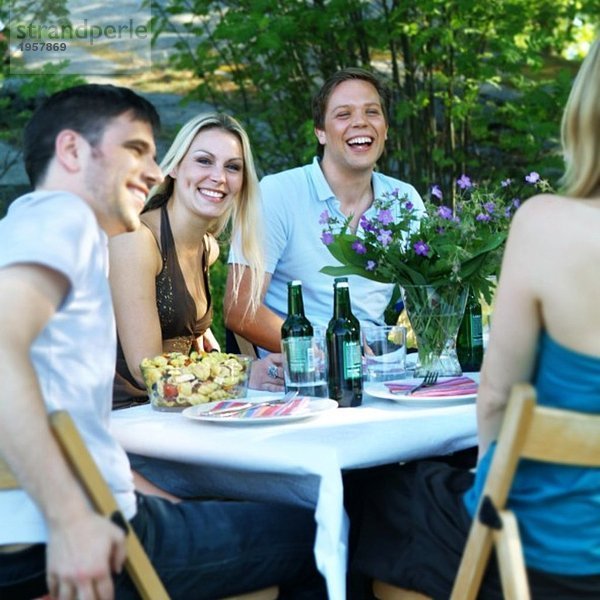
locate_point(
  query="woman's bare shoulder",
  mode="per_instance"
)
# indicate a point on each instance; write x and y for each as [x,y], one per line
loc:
[137,248]
[140,239]
[545,212]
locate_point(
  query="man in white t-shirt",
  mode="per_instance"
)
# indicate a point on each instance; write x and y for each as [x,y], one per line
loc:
[89,153]
[351,126]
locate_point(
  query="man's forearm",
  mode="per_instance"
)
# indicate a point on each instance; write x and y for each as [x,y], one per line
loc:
[263,329]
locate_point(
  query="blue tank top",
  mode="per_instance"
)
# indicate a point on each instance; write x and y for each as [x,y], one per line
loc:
[558,507]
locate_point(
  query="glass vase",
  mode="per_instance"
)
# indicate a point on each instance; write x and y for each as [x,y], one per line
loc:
[435,314]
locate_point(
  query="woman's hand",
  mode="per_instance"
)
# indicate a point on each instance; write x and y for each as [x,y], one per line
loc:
[267,373]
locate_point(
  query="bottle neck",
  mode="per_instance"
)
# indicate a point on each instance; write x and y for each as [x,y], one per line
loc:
[473,301]
[341,306]
[295,302]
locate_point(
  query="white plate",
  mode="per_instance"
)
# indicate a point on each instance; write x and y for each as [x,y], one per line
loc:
[380,390]
[316,406]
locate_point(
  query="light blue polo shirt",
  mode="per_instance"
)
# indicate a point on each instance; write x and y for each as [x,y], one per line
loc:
[293,201]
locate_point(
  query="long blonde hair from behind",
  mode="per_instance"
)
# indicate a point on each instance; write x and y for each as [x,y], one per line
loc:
[580,130]
[244,215]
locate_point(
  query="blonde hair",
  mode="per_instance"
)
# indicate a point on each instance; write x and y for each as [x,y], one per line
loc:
[244,215]
[580,130]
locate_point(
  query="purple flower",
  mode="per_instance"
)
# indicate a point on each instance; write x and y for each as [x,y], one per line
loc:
[370,266]
[505,182]
[440,230]
[409,205]
[533,177]
[421,248]
[385,237]
[385,216]
[489,207]
[327,238]
[359,248]
[445,212]
[367,225]
[516,202]
[464,182]
[324,218]
[482,217]
[436,191]
[507,212]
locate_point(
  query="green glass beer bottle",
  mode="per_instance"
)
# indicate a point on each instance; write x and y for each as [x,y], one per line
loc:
[344,349]
[296,341]
[469,342]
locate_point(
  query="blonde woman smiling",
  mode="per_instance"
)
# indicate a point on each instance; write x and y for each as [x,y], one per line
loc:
[159,273]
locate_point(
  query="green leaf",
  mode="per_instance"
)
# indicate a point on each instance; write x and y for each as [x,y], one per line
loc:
[350,270]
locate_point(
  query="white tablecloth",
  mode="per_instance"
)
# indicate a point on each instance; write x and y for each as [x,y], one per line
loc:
[300,462]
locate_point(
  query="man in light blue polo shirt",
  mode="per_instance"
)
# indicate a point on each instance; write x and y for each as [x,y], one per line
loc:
[351,124]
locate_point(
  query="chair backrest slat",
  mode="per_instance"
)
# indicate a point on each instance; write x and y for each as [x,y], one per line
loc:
[564,437]
[81,462]
[7,479]
[515,428]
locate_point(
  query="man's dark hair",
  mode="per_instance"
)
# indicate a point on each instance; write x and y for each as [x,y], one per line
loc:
[320,100]
[86,109]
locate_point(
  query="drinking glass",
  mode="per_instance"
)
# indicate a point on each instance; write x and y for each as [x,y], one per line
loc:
[311,381]
[384,350]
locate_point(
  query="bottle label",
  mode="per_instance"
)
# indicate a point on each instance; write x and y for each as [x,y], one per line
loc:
[300,354]
[352,360]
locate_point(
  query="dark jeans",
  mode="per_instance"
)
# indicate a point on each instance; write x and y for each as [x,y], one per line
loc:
[25,573]
[211,549]
[409,525]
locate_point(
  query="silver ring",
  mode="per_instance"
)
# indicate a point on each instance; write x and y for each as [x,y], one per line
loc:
[272,372]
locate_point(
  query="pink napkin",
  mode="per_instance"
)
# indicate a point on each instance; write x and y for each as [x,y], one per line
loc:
[454,386]
[293,406]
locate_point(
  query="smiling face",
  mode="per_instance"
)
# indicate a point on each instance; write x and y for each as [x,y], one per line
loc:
[210,176]
[355,128]
[120,172]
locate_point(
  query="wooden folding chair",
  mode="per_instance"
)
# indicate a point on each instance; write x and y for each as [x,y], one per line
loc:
[528,431]
[137,563]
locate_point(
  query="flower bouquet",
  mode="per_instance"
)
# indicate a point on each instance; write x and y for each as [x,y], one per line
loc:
[433,255]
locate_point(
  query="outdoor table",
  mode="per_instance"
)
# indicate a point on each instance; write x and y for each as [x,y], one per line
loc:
[300,462]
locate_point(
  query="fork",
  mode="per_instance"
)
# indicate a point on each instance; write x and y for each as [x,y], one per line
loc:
[429,380]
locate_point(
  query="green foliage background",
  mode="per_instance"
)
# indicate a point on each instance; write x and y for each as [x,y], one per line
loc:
[20,95]
[478,87]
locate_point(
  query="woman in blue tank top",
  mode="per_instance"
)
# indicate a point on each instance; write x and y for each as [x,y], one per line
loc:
[410,526]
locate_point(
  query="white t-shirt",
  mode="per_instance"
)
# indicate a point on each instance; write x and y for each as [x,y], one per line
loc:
[74,356]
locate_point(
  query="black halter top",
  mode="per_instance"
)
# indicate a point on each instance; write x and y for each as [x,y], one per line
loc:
[176,311]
